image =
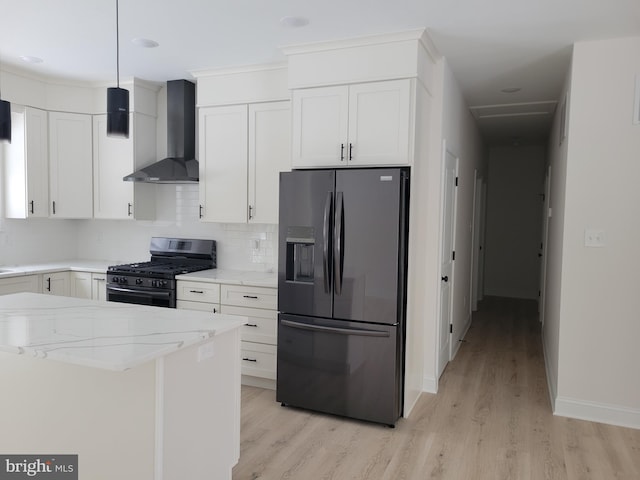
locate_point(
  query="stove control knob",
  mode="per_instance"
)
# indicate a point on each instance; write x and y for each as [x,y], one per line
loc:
[138,281]
[154,283]
[124,280]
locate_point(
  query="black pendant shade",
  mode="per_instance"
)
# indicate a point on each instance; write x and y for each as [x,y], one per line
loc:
[117,112]
[5,120]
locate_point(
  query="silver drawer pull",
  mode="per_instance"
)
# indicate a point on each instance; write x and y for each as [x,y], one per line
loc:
[246,359]
[250,325]
[196,291]
[250,296]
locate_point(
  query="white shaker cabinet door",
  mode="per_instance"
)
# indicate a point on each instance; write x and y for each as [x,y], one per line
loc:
[112,160]
[269,154]
[223,164]
[380,123]
[320,122]
[71,165]
[26,164]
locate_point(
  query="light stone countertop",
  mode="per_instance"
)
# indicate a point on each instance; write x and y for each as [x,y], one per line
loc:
[93,266]
[235,277]
[105,335]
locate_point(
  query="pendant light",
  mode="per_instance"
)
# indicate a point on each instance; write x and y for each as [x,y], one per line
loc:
[5,119]
[117,99]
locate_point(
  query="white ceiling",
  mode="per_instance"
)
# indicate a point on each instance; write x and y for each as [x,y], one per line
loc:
[490,44]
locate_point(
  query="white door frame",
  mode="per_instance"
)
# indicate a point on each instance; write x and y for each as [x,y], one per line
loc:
[475,242]
[444,355]
[546,215]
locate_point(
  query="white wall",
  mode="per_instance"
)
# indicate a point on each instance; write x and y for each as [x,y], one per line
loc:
[598,317]
[455,125]
[557,160]
[514,220]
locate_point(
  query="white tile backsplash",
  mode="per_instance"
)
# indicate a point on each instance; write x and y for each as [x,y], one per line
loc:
[239,246]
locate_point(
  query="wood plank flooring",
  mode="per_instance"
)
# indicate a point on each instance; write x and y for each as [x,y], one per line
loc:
[490,420]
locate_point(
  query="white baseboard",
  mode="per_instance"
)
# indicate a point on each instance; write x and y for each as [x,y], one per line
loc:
[597,412]
[429,385]
[585,410]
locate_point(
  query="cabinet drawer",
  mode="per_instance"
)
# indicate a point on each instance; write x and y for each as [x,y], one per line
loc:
[200,306]
[258,360]
[254,297]
[261,326]
[198,291]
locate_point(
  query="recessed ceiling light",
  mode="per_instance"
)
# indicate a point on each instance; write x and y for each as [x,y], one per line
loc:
[144,42]
[30,59]
[511,90]
[294,22]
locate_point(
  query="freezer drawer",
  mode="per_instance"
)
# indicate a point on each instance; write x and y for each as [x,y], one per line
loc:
[351,369]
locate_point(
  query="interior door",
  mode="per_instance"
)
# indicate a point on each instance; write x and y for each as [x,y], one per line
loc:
[305,242]
[367,249]
[446,259]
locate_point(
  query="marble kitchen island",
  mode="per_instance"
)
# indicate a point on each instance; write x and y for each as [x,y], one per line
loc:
[137,392]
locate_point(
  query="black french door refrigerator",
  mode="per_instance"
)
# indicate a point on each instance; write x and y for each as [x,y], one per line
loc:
[342,291]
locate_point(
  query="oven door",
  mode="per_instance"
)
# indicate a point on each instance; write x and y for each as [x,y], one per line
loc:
[141,296]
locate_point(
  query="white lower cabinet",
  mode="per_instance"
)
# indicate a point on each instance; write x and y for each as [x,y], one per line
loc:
[203,296]
[56,283]
[80,284]
[23,283]
[99,286]
[259,333]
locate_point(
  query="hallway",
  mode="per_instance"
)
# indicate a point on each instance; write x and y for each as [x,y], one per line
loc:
[491,419]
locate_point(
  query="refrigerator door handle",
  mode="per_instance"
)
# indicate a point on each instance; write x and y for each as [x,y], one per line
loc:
[326,232]
[338,236]
[338,330]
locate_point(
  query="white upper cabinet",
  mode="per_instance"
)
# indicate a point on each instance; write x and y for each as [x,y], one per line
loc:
[223,163]
[243,148]
[26,174]
[269,154]
[115,157]
[320,126]
[364,124]
[70,165]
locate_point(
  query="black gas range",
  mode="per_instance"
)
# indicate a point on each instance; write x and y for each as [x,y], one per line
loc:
[153,282]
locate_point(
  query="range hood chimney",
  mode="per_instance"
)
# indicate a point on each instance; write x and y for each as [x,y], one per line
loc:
[181,165]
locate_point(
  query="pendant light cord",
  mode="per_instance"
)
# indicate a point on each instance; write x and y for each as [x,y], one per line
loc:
[117,46]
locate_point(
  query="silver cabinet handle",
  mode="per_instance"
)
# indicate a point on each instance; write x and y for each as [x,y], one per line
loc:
[196,291]
[129,205]
[247,359]
[251,325]
[253,297]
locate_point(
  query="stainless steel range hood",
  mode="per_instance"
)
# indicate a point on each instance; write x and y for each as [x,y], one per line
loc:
[181,165]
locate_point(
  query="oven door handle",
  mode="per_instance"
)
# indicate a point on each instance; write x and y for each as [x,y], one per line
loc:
[138,291]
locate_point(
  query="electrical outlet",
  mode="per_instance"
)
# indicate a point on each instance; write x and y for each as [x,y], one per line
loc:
[593,238]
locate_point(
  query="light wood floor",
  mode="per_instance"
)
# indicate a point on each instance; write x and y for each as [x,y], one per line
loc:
[490,420]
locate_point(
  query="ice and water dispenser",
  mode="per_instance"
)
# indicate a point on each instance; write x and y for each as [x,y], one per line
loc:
[300,254]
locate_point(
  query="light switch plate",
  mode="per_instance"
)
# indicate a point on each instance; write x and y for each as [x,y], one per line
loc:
[593,238]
